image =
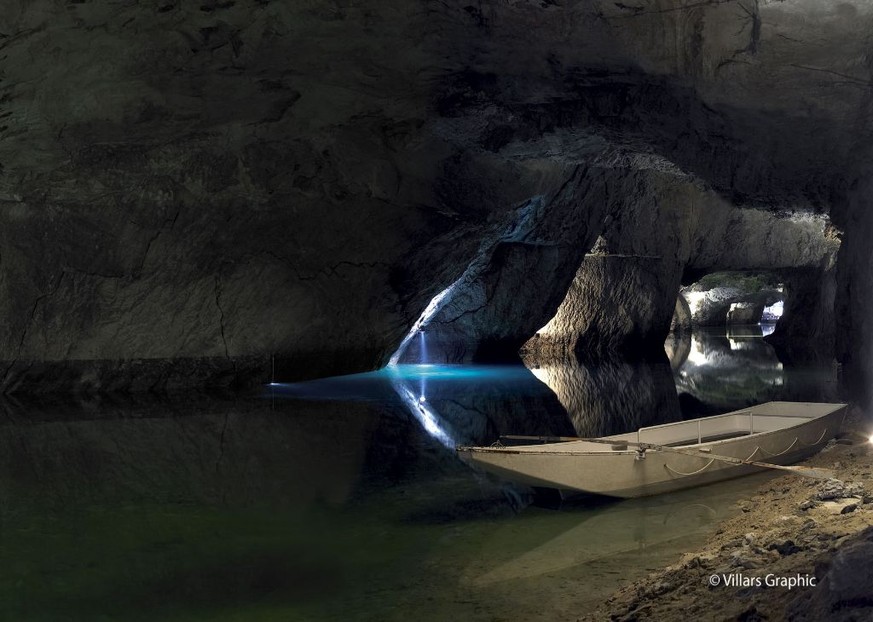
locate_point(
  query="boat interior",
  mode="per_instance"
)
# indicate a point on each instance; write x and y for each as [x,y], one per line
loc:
[759,419]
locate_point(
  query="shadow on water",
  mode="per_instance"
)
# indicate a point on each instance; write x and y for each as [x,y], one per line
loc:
[340,499]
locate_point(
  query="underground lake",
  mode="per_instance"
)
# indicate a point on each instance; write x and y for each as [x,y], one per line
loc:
[343,499]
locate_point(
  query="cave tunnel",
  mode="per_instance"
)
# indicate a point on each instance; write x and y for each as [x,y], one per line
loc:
[730,298]
[663,167]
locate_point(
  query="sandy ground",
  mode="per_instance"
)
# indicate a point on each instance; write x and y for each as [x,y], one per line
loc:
[801,549]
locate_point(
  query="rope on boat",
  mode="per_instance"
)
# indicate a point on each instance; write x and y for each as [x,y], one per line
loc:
[752,455]
[820,438]
[796,439]
[700,470]
[786,450]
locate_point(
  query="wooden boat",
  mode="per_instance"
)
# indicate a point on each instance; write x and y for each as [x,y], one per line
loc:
[775,432]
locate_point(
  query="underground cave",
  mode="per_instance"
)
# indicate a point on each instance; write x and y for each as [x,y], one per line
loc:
[267,264]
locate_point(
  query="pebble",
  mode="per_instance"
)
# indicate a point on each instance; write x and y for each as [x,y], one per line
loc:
[742,559]
[732,544]
[784,548]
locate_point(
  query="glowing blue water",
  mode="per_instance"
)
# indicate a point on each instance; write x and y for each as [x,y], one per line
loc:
[376,384]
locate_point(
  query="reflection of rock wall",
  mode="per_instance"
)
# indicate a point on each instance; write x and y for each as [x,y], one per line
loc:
[610,396]
[677,347]
[723,372]
[681,321]
[205,451]
[478,406]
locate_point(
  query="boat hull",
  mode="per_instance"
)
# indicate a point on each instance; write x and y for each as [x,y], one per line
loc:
[626,474]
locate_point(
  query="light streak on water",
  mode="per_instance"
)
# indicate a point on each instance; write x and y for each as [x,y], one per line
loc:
[429,420]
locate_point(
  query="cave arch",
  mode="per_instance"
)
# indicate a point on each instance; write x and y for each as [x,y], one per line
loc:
[733,297]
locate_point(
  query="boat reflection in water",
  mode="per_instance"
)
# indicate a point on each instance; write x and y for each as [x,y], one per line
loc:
[590,534]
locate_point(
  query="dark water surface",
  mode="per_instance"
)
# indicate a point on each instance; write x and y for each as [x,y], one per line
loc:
[342,499]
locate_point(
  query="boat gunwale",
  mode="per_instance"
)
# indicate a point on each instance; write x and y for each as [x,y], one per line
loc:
[532,448]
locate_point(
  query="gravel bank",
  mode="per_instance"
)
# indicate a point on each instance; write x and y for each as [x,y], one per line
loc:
[801,549]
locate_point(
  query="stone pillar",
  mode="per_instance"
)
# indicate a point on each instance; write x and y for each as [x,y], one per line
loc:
[745,313]
[854,292]
[805,332]
[616,303]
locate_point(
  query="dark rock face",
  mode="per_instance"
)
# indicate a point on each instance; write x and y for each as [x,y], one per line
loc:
[806,329]
[270,186]
[843,593]
[854,333]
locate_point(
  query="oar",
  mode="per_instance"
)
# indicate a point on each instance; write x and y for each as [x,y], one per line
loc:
[797,470]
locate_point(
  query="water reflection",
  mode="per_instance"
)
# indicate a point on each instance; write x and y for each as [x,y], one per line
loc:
[590,534]
[342,498]
[611,396]
[718,370]
[455,404]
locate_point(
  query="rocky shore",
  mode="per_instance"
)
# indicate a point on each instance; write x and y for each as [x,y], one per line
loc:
[800,549]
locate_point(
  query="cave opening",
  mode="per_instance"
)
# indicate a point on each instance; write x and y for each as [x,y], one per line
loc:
[734,298]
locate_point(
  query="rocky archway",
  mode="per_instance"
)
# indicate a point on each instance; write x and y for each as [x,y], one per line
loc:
[192,192]
[723,298]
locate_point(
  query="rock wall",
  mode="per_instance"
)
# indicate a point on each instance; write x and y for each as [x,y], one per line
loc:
[668,227]
[806,330]
[853,300]
[622,296]
[204,193]
[745,313]
[713,307]
[516,279]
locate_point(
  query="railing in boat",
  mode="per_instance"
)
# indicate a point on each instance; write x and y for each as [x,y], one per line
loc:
[707,429]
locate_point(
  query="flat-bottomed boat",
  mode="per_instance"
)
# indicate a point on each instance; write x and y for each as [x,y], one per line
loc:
[775,432]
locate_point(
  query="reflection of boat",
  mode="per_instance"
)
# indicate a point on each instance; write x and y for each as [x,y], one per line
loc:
[778,432]
[562,541]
